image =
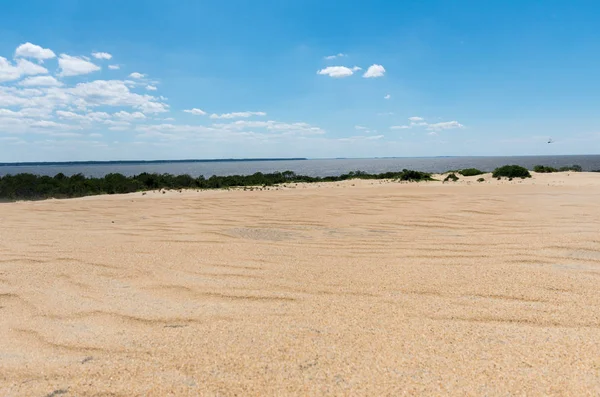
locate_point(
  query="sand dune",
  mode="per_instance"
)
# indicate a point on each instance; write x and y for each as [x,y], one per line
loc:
[353,288]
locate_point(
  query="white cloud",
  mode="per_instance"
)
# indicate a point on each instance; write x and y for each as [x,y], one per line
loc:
[235,131]
[388,96]
[360,127]
[87,117]
[29,50]
[8,72]
[151,88]
[29,68]
[446,125]
[374,71]
[195,111]
[25,113]
[236,115]
[340,55]
[101,55]
[338,71]
[352,139]
[419,122]
[118,125]
[114,67]
[40,81]
[49,124]
[136,75]
[130,116]
[114,93]
[289,128]
[23,67]
[75,66]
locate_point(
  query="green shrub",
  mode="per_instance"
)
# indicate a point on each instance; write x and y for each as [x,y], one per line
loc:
[31,187]
[481,180]
[411,175]
[451,177]
[544,169]
[511,171]
[573,168]
[470,172]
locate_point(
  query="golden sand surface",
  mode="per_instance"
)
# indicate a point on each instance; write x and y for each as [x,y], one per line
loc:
[354,288]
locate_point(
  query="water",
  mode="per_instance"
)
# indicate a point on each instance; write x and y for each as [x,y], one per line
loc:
[327,167]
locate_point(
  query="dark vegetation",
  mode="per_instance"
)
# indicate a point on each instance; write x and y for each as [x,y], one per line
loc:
[451,177]
[470,172]
[481,180]
[546,169]
[511,171]
[32,187]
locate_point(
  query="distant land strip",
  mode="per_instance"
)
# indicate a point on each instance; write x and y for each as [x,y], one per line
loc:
[121,162]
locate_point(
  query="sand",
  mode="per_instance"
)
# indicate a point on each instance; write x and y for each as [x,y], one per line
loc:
[353,288]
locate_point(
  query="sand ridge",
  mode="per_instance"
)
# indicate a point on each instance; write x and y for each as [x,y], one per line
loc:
[350,288]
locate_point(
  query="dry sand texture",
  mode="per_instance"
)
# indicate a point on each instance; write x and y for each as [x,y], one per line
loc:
[356,288]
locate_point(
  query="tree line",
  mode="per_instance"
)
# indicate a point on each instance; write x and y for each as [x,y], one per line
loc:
[33,187]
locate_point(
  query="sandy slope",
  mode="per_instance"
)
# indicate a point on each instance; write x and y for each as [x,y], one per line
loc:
[356,288]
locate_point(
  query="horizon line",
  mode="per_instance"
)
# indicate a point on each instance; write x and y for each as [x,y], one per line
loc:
[255,159]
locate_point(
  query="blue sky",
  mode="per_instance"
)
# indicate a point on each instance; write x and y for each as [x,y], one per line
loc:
[87,80]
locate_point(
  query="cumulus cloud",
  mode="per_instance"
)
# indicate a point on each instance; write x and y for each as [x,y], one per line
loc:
[374,71]
[420,122]
[29,50]
[37,103]
[102,55]
[340,55]
[236,115]
[388,96]
[50,124]
[115,93]
[85,117]
[130,116]
[235,131]
[195,111]
[23,67]
[40,81]
[338,71]
[446,125]
[8,71]
[352,139]
[289,128]
[29,68]
[75,66]
[114,67]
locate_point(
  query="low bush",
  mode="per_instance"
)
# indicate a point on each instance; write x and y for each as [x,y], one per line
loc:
[511,171]
[470,172]
[451,177]
[33,187]
[572,168]
[481,180]
[542,169]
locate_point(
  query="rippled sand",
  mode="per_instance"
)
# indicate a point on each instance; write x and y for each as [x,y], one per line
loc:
[356,288]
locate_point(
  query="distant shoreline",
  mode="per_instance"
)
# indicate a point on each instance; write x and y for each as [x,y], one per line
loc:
[121,162]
